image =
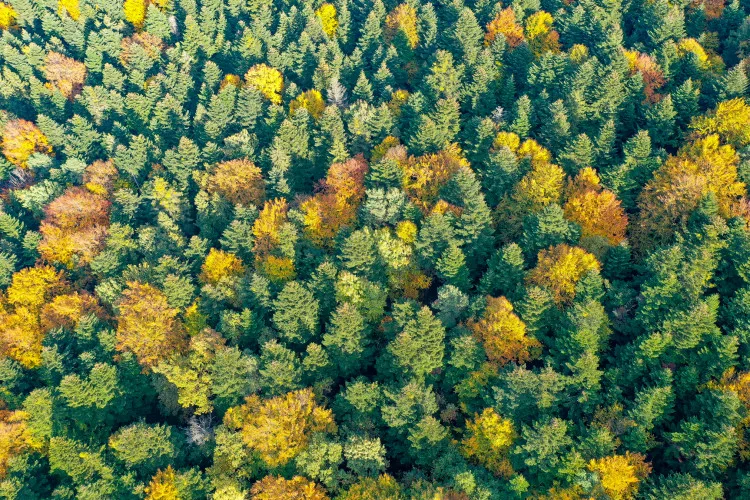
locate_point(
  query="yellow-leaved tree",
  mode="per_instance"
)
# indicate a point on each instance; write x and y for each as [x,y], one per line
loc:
[487,441]
[135,12]
[239,181]
[163,486]
[296,488]
[327,15]
[147,326]
[70,7]
[14,437]
[311,100]
[220,265]
[730,120]
[540,35]
[278,429]
[401,23]
[620,475]
[559,269]
[7,16]
[505,24]
[267,80]
[503,334]
[21,139]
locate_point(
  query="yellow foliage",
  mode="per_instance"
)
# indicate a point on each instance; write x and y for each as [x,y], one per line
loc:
[542,185]
[402,21]
[239,181]
[278,429]
[534,151]
[14,437]
[278,269]
[559,269]
[163,486]
[425,175]
[702,167]
[505,23]
[503,334]
[32,287]
[730,119]
[327,15]
[398,99]
[487,441]
[369,488]
[267,226]
[595,209]
[619,475]
[7,16]
[71,7]
[231,80]
[21,337]
[691,45]
[147,326]
[220,265]
[297,488]
[21,139]
[508,140]
[267,80]
[578,52]
[379,151]
[135,12]
[311,100]
[406,231]
[539,33]
[66,310]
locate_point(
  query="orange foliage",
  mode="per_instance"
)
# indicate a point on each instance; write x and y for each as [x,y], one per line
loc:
[335,206]
[147,326]
[239,181]
[487,441]
[425,175]
[540,35]
[140,43]
[505,23]
[702,167]
[559,269]
[64,74]
[21,139]
[297,488]
[74,227]
[278,429]
[503,334]
[267,226]
[596,210]
[651,73]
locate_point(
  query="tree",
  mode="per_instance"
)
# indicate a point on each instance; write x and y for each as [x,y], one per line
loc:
[147,326]
[135,12]
[267,80]
[505,24]
[418,349]
[346,339]
[559,269]
[503,334]
[619,475]
[21,139]
[7,16]
[239,181]
[64,74]
[729,120]
[327,15]
[278,429]
[296,313]
[297,488]
[487,441]
[401,23]
[311,100]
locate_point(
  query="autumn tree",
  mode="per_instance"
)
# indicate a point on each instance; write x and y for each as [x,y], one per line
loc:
[239,181]
[560,268]
[297,488]
[487,441]
[7,16]
[505,24]
[147,326]
[220,265]
[503,334]
[267,80]
[21,139]
[64,74]
[620,475]
[278,429]
[328,20]
[311,100]
[402,22]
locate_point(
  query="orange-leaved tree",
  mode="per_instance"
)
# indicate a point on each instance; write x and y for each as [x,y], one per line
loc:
[296,488]
[64,74]
[239,181]
[503,334]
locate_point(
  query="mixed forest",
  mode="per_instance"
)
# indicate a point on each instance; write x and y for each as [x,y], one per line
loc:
[364,250]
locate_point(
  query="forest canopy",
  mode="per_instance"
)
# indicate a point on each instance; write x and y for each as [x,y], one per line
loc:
[373,249]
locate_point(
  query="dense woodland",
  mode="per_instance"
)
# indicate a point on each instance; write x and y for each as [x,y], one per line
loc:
[435,250]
